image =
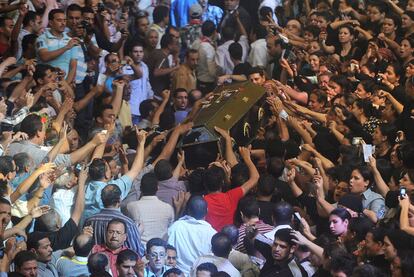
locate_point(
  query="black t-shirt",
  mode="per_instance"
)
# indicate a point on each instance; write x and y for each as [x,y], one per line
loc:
[242,69]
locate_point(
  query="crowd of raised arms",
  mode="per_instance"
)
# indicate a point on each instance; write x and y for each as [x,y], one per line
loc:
[96,96]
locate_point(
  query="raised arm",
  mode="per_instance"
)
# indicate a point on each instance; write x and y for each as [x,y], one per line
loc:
[253,173]
[138,163]
[380,184]
[229,155]
[80,197]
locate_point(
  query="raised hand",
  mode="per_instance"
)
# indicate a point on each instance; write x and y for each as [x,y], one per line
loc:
[39,211]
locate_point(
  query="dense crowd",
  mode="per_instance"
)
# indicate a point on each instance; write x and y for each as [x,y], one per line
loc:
[96,97]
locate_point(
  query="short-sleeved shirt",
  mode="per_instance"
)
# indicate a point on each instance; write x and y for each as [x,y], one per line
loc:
[221,207]
[50,42]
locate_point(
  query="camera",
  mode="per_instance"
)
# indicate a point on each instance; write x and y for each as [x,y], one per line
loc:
[378,80]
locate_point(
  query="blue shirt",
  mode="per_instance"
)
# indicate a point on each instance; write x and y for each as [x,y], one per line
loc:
[180,10]
[50,42]
[81,66]
[214,14]
[93,201]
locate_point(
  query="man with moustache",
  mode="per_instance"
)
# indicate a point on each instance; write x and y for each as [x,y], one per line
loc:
[114,243]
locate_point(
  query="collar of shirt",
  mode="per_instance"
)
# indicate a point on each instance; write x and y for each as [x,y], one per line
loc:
[367,193]
[149,197]
[80,260]
[49,35]
[104,248]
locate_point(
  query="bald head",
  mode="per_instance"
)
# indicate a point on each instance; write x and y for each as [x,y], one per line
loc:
[197,207]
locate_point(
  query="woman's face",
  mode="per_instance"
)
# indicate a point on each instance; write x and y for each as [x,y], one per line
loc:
[314,104]
[314,47]
[388,26]
[406,182]
[313,20]
[361,92]
[345,35]
[314,63]
[406,21]
[410,6]
[389,251]
[395,162]
[336,88]
[375,15]
[405,49]
[390,74]
[340,190]
[357,184]
[337,226]
[356,111]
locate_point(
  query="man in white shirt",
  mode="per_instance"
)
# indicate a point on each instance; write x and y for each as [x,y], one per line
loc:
[221,247]
[141,88]
[282,217]
[191,234]
[207,67]
[258,55]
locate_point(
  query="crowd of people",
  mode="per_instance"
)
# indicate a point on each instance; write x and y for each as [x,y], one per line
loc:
[97,95]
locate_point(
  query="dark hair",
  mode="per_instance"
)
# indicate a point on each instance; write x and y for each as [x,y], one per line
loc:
[31,124]
[257,70]
[378,234]
[196,182]
[214,178]
[197,207]
[33,239]
[266,185]
[367,107]
[163,170]
[166,40]
[126,255]
[149,184]
[249,207]
[82,248]
[190,51]
[232,232]
[160,12]
[389,130]
[21,160]
[285,235]
[52,13]
[97,263]
[97,169]
[156,242]
[344,263]
[368,85]
[282,213]
[264,11]
[29,39]
[314,30]
[210,267]
[87,9]
[228,33]
[260,31]
[146,107]
[73,8]
[111,195]
[22,257]
[275,166]
[239,174]
[360,226]
[208,28]
[170,247]
[342,81]
[40,72]
[236,51]
[178,90]
[174,271]
[221,245]
[117,221]
[6,165]
[30,16]
[342,213]
[366,173]
[367,270]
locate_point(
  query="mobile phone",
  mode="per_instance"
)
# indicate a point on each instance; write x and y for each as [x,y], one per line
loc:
[297,216]
[403,191]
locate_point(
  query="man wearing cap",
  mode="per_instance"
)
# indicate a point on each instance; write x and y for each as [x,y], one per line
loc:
[192,31]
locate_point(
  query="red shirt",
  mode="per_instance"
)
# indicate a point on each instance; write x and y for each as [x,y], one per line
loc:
[221,207]
[111,254]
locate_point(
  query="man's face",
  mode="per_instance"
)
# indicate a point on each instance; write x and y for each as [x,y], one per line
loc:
[175,34]
[115,236]
[142,26]
[181,100]
[192,60]
[8,27]
[230,5]
[89,17]
[58,23]
[73,19]
[37,26]
[294,27]
[28,269]
[272,49]
[126,269]
[5,210]
[137,54]
[281,250]
[372,247]
[171,258]
[153,39]
[44,251]
[156,257]
[257,79]
[389,251]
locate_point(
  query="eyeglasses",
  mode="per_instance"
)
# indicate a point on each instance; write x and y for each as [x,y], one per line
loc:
[112,232]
